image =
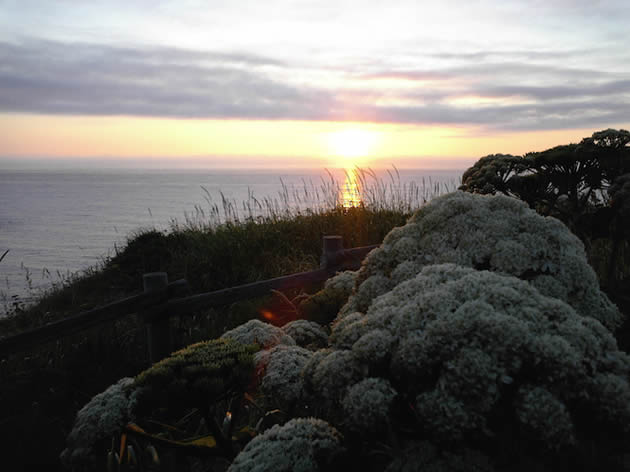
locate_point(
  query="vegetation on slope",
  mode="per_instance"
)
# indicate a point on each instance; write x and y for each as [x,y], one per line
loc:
[475,337]
[43,389]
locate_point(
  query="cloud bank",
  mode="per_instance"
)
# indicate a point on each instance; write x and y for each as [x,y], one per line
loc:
[507,90]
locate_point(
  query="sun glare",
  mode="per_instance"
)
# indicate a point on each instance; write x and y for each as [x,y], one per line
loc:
[351,144]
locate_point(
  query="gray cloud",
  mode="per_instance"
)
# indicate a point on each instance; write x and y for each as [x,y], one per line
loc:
[511,54]
[50,77]
[553,95]
[77,78]
[554,92]
[497,70]
[517,117]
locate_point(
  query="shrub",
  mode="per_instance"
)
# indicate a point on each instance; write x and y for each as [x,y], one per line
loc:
[301,445]
[280,369]
[367,405]
[307,334]
[458,343]
[195,377]
[567,181]
[493,173]
[478,325]
[104,415]
[423,455]
[257,332]
[323,306]
[496,233]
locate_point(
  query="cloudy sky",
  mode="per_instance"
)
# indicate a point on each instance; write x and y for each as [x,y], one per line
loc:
[308,82]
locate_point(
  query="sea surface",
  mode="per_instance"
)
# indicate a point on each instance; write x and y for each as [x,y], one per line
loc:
[57,223]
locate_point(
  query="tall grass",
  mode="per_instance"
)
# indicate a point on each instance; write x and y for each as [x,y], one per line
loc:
[354,188]
[359,204]
[364,186]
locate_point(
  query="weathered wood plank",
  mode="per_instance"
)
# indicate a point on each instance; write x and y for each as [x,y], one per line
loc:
[226,296]
[88,319]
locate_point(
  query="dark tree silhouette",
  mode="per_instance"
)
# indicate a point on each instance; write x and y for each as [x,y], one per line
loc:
[620,228]
[569,181]
[492,174]
[611,148]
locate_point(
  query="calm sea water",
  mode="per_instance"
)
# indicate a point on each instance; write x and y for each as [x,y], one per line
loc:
[57,223]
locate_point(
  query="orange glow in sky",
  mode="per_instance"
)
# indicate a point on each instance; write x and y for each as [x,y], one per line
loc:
[262,143]
[291,84]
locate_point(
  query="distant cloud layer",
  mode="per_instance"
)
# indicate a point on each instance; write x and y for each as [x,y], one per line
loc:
[513,89]
[52,77]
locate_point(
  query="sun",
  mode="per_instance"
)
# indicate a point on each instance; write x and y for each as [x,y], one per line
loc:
[351,144]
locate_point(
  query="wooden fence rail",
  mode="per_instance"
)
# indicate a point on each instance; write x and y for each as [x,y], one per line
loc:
[87,319]
[162,300]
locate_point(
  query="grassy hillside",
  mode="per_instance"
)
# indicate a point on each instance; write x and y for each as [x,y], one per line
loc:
[42,389]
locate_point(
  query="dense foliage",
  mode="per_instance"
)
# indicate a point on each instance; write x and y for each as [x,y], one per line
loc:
[581,184]
[197,377]
[43,389]
[499,234]
[570,182]
[475,338]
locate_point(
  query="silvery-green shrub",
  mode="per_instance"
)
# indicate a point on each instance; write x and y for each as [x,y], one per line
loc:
[495,233]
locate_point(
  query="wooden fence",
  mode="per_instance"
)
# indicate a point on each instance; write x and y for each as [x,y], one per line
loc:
[161,300]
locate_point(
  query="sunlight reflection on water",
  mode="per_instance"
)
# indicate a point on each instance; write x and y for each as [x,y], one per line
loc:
[350,190]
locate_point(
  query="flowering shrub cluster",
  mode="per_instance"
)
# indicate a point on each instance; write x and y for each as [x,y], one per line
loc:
[494,233]
[424,455]
[280,362]
[455,342]
[194,377]
[477,326]
[307,334]
[367,405]
[280,369]
[300,445]
[100,418]
[256,332]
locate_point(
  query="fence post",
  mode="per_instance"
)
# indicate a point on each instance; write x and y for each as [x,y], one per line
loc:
[331,252]
[158,331]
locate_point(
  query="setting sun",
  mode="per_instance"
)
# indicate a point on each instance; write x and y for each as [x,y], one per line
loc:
[352,143]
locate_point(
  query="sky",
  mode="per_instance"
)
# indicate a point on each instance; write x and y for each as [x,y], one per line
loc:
[306,83]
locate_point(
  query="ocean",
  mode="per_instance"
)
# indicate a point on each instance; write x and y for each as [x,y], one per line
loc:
[56,223]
